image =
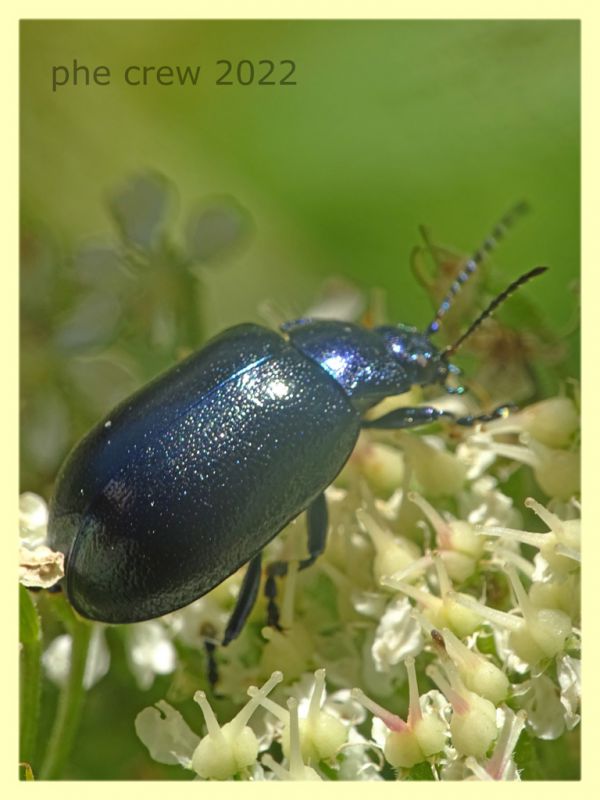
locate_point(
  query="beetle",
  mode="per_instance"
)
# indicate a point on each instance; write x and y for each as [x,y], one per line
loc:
[190,477]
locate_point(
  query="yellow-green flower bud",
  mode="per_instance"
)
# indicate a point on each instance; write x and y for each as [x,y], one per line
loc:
[439,472]
[225,751]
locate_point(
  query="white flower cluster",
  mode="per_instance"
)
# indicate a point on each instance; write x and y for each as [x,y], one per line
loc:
[429,579]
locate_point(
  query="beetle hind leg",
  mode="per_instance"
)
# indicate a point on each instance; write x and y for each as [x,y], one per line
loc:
[243,606]
[317,523]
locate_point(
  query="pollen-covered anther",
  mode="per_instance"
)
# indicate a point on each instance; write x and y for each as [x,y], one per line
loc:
[539,633]
[458,542]
[227,750]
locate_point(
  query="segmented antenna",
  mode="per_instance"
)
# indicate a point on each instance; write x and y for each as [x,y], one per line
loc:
[490,244]
[491,308]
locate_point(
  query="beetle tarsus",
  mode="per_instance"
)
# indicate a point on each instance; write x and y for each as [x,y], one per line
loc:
[500,411]
[212,669]
[271,595]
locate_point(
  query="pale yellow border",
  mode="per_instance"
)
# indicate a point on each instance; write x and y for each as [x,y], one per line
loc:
[589,13]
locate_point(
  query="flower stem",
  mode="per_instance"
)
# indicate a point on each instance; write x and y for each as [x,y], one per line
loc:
[69,705]
[31,654]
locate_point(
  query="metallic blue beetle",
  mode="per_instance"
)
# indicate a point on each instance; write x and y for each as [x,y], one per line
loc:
[190,478]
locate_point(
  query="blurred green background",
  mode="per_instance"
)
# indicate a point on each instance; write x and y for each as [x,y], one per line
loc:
[390,124]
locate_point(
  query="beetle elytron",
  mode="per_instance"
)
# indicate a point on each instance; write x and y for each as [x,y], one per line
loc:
[190,478]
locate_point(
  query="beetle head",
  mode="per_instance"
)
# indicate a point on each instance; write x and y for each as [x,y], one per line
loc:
[423,361]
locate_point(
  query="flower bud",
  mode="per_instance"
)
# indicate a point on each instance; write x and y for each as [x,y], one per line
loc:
[473,723]
[477,673]
[552,422]
[563,537]
[321,734]
[458,542]
[392,553]
[563,594]
[411,742]
[381,465]
[539,633]
[439,472]
[225,751]
[298,771]
[444,611]
[557,472]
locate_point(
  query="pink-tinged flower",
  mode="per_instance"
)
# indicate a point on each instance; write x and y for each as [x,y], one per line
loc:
[473,723]
[411,742]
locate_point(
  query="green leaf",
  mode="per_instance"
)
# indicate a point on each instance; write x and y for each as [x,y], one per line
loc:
[420,772]
[29,625]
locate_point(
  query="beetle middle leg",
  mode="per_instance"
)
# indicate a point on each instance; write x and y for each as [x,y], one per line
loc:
[414,416]
[317,523]
[245,600]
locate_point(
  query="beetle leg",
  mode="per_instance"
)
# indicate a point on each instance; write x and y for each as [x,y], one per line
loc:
[317,520]
[500,411]
[245,601]
[412,417]
[317,523]
[271,593]
[408,417]
[211,669]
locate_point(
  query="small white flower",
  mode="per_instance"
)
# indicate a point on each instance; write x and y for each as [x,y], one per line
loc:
[33,519]
[39,566]
[57,658]
[540,698]
[397,636]
[167,736]
[569,678]
[150,652]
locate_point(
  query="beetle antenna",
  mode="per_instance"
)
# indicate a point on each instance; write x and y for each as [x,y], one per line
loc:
[497,234]
[492,307]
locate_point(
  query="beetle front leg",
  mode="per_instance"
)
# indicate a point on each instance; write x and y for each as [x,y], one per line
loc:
[407,417]
[413,417]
